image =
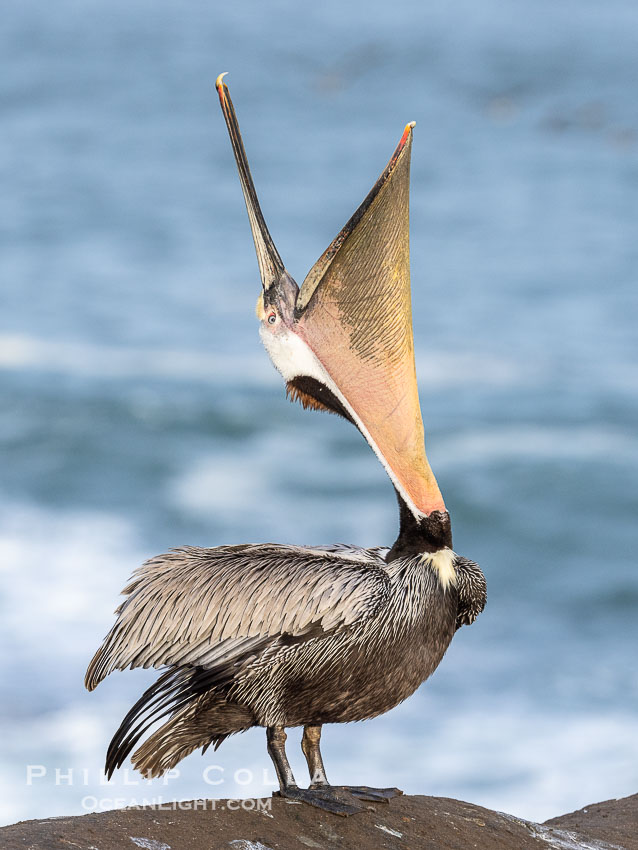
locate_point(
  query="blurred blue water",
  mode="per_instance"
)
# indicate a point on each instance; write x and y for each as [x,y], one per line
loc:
[140,413]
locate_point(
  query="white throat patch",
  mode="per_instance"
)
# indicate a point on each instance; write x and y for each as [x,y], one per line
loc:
[442,562]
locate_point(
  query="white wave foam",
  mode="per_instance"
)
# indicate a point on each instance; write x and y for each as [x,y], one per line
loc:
[61,575]
[263,491]
[26,353]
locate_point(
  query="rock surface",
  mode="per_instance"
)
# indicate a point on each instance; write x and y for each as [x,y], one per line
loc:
[407,823]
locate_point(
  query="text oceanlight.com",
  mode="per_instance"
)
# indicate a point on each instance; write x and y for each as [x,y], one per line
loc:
[91,803]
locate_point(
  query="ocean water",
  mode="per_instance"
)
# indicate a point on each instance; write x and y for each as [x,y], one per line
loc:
[138,411]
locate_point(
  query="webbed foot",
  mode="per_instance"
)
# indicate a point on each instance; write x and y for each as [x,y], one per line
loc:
[335,800]
[372,795]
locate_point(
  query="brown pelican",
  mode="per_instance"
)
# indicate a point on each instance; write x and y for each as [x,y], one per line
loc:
[282,636]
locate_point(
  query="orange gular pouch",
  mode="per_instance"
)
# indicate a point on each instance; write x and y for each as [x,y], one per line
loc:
[344,341]
[354,312]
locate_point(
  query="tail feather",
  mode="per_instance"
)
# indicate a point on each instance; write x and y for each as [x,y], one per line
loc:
[187,731]
[198,717]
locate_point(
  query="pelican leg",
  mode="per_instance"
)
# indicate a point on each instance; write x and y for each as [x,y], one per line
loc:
[319,780]
[276,740]
[329,802]
[310,747]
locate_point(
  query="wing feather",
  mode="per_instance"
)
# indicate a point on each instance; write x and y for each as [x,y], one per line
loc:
[204,607]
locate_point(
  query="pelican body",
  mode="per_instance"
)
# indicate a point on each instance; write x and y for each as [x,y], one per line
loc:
[283,636]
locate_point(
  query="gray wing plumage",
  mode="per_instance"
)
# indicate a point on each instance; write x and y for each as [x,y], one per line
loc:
[202,608]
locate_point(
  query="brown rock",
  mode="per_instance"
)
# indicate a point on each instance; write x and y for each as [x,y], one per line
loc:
[407,823]
[614,821]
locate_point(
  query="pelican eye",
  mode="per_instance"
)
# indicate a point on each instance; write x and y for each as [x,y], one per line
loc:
[272,318]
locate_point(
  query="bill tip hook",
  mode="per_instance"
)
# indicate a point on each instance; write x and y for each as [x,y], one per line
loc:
[406,133]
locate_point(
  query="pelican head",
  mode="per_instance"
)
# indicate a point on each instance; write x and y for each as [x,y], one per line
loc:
[343,341]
